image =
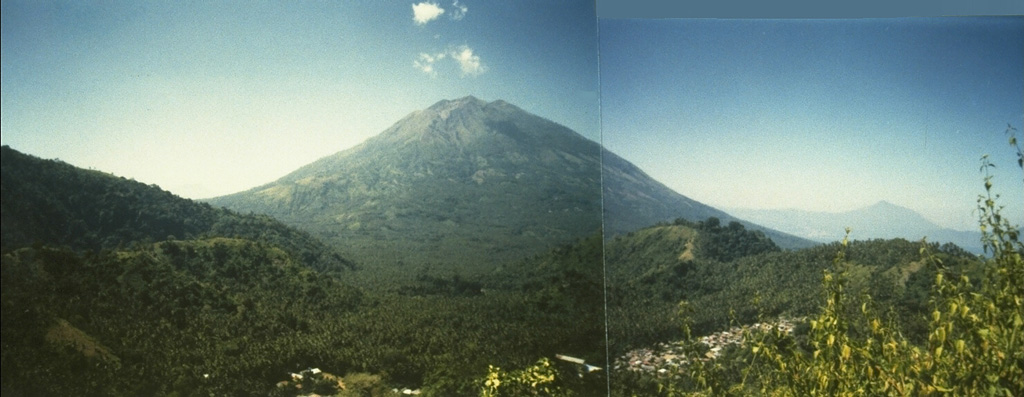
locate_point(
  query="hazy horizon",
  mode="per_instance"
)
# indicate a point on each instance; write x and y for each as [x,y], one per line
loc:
[207,99]
[819,115]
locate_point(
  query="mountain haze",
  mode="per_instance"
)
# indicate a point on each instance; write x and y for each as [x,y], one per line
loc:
[633,200]
[463,180]
[882,220]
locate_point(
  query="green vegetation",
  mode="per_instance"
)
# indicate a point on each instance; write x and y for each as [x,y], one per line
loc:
[150,294]
[539,379]
[736,276]
[111,287]
[970,343]
[217,315]
[47,202]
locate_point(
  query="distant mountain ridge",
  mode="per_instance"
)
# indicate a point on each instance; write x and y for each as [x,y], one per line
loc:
[633,200]
[882,220]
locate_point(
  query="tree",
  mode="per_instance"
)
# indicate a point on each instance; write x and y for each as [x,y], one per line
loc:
[975,335]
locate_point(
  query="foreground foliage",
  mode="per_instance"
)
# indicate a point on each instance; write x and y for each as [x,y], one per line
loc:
[536,380]
[974,341]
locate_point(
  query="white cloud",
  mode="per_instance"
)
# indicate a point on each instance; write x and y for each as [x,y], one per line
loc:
[425,63]
[425,12]
[459,12]
[469,62]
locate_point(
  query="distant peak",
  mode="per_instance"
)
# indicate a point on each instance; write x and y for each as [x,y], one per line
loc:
[885,204]
[888,208]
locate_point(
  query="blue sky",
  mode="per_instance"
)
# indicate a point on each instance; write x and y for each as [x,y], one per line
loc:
[209,98]
[821,115]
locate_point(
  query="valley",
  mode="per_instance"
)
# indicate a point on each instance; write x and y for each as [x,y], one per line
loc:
[468,198]
[465,243]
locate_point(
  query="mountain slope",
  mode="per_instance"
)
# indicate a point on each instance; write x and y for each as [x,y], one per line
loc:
[634,200]
[881,220]
[463,181]
[113,287]
[467,182]
[54,203]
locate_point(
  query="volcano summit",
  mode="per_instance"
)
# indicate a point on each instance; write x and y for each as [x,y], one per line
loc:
[464,180]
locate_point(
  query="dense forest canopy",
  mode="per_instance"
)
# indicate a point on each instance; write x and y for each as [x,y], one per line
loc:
[112,287]
[54,203]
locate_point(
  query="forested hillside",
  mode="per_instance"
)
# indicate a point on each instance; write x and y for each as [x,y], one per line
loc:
[731,274]
[886,319]
[184,317]
[233,317]
[112,287]
[53,203]
[116,288]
